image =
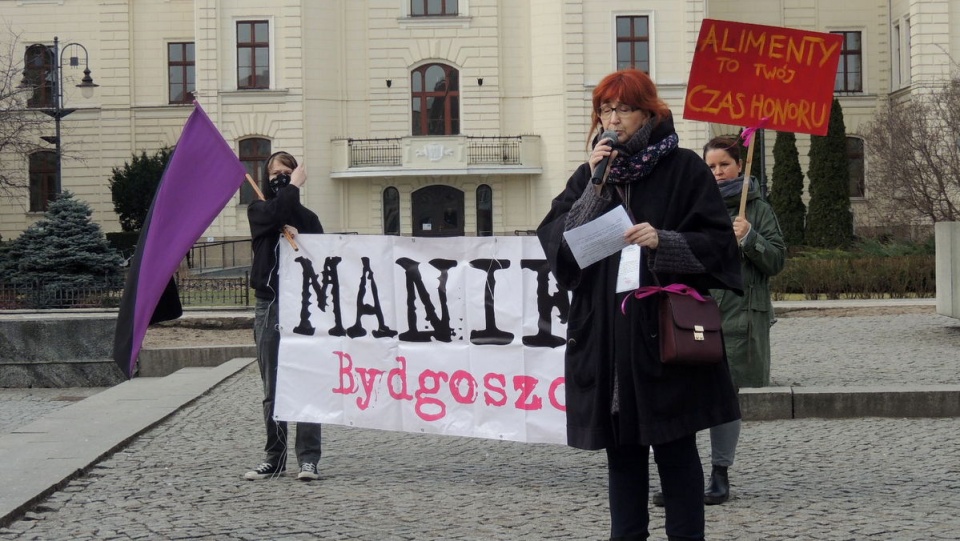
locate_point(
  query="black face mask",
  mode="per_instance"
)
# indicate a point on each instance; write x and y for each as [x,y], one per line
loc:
[277,182]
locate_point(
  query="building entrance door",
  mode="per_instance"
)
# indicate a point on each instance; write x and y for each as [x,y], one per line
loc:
[437,212]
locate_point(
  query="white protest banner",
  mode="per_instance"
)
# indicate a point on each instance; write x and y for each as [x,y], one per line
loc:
[461,336]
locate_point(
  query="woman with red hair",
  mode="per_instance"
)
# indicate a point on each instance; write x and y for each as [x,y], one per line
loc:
[619,396]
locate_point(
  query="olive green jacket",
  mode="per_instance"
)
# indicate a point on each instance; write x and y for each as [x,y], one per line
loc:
[747,319]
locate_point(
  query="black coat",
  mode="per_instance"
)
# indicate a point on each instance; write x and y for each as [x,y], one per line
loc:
[657,403]
[266,220]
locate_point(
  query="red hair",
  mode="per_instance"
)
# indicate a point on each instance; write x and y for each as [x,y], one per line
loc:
[628,87]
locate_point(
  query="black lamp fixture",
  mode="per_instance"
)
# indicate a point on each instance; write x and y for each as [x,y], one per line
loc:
[389,83]
[480,81]
[86,87]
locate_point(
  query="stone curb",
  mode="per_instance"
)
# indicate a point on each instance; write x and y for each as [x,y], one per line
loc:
[775,403]
[67,442]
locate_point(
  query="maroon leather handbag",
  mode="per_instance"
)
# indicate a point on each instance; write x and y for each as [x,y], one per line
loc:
[690,330]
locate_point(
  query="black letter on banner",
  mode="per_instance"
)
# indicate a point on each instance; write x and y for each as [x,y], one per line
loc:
[366,309]
[330,278]
[441,325]
[491,335]
[545,305]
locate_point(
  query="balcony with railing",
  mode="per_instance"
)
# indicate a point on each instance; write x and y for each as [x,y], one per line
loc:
[436,155]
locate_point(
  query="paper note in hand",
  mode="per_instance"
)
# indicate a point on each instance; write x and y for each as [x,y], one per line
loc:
[596,240]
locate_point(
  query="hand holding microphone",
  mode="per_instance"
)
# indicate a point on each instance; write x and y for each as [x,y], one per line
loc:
[610,136]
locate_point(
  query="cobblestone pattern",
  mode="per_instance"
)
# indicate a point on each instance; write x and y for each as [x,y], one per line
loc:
[806,479]
[19,407]
[911,349]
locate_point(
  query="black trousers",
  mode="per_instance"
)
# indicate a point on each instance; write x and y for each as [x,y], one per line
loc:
[681,479]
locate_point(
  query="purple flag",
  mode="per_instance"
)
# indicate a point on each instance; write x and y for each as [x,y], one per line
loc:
[200,179]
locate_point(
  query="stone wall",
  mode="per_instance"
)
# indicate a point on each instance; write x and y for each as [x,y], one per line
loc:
[58,350]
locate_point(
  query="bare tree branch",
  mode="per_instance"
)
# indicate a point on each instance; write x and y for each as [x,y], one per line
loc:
[20,127]
[913,146]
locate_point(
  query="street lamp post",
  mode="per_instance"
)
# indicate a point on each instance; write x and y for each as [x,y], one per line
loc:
[86,87]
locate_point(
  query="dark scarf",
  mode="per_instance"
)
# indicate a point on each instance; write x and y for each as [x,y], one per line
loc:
[636,158]
[732,187]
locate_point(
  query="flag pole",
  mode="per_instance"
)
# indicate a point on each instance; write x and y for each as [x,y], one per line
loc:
[286,233]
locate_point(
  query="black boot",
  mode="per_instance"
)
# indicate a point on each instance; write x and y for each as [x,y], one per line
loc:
[719,489]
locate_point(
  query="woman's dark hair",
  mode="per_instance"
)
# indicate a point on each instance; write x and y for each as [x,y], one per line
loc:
[629,87]
[729,143]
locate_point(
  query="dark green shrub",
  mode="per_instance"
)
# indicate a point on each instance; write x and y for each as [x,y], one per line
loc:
[786,194]
[134,185]
[829,221]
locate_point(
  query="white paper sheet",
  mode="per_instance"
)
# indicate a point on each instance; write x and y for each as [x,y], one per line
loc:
[599,238]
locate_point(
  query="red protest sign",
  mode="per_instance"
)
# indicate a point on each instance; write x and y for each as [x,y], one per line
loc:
[742,73]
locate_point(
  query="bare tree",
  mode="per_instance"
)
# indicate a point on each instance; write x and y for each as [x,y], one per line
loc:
[913,152]
[20,126]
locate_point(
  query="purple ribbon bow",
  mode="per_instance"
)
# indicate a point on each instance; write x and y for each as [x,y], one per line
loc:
[646,291]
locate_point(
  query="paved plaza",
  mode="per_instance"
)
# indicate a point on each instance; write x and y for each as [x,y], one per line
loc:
[803,479]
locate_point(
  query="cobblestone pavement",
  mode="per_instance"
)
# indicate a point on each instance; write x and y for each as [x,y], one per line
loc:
[19,407]
[916,349]
[807,479]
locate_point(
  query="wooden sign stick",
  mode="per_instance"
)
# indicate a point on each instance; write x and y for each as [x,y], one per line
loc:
[256,189]
[746,182]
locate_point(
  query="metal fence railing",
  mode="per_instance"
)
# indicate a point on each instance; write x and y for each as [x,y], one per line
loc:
[105,293]
[214,292]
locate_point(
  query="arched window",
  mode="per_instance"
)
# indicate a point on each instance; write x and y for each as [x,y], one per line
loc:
[43,177]
[855,164]
[40,75]
[391,211]
[435,102]
[484,211]
[253,154]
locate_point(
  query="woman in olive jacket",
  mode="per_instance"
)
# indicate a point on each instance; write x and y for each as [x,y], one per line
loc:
[619,396]
[746,319]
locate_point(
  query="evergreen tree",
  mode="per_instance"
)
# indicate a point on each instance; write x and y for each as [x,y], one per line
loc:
[64,249]
[786,195]
[133,186]
[829,220]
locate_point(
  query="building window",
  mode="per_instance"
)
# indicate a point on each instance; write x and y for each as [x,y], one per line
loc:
[180,72]
[40,75]
[253,54]
[484,211]
[433,8]
[850,69]
[633,43]
[855,163]
[253,155]
[43,178]
[391,211]
[435,100]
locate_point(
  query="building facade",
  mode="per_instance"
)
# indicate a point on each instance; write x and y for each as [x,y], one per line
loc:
[413,117]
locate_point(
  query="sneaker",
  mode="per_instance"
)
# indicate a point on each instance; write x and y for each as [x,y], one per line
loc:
[264,471]
[308,472]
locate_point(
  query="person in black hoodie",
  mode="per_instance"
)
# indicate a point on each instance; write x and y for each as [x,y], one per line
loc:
[279,211]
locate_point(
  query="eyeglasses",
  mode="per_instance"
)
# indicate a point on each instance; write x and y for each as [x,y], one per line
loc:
[621,110]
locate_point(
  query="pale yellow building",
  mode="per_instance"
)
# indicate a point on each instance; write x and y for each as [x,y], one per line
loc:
[417,117]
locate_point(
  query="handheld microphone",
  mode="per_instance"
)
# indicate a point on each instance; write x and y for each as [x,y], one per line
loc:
[602,166]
